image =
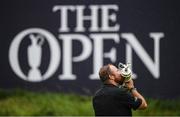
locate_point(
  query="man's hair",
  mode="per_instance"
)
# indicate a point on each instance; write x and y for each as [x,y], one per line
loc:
[104,72]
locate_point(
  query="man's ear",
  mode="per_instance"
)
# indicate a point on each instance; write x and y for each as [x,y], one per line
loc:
[111,77]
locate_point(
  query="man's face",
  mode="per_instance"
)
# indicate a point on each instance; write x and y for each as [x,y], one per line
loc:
[117,74]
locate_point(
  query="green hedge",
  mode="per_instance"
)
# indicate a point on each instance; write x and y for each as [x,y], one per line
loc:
[21,102]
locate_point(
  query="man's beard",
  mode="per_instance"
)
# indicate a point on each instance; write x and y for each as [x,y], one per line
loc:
[120,82]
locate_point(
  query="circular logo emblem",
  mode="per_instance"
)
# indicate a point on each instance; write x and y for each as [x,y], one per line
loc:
[34,54]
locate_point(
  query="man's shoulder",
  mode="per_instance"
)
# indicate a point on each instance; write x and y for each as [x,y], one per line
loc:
[119,90]
[106,90]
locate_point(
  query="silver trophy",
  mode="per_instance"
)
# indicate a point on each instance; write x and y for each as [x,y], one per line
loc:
[125,71]
[34,57]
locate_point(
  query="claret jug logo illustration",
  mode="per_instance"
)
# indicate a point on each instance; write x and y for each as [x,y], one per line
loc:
[34,53]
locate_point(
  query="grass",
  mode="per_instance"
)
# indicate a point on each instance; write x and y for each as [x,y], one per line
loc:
[157,107]
[20,102]
[27,103]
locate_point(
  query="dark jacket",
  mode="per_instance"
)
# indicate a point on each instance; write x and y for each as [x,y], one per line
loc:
[112,100]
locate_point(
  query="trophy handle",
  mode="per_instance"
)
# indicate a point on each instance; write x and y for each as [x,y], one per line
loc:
[41,38]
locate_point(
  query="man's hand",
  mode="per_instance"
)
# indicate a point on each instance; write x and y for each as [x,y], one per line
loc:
[129,84]
[135,93]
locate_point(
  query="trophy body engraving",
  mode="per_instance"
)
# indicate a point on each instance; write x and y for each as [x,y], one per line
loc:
[34,57]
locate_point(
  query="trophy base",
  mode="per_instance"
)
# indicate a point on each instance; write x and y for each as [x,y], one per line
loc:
[34,75]
[127,79]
